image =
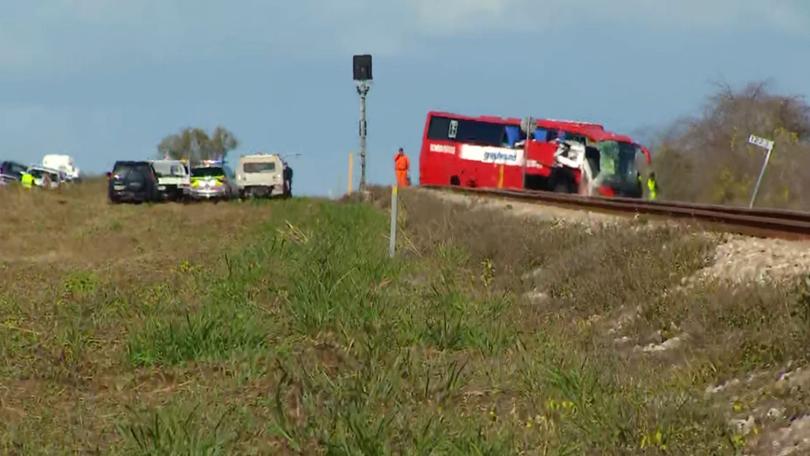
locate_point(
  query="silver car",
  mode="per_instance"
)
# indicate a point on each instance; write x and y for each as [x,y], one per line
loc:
[212,182]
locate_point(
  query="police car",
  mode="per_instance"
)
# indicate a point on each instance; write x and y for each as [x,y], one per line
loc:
[212,180]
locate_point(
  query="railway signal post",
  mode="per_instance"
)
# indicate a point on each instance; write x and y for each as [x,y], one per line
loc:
[765,144]
[363,78]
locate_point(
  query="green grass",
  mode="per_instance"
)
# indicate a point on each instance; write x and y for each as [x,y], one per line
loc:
[303,337]
[207,335]
[176,430]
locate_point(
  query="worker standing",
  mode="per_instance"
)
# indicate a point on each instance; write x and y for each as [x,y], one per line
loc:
[652,186]
[27,180]
[287,175]
[401,166]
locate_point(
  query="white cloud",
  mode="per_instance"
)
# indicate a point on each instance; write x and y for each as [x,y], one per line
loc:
[73,34]
[466,15]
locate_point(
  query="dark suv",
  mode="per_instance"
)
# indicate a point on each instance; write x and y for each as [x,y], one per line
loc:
[133,181]
[12,169]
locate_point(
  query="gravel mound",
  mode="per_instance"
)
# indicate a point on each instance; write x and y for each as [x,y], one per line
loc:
[742,259]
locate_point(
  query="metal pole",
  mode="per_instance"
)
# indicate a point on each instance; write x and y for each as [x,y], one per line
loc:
[759,180]
[529,133]
[392,242]
[362,90]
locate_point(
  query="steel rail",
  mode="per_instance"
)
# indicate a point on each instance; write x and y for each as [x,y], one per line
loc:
[756,222]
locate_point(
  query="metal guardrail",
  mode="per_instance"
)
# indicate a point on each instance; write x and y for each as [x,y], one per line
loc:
[754,222]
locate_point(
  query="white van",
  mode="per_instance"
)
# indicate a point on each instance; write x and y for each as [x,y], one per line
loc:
[64,163]
[260,175]
[173,178]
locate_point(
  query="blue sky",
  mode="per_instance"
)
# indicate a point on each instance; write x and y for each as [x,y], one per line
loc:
[107,79]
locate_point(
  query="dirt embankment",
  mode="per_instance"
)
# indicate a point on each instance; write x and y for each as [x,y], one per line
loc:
[736,325]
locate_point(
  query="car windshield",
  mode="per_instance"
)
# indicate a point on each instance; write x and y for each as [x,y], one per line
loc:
[618,160]
[121,170]
[163,169]
[212,171]
[40,173]
[259,167]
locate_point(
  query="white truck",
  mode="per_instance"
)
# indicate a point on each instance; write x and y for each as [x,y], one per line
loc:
[64,163]
[173,178]
[261,175]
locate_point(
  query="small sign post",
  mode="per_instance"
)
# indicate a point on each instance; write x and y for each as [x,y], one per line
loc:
[392,241]
[765,144]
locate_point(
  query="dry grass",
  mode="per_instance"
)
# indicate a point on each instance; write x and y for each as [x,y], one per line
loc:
[76,272]
[592,280]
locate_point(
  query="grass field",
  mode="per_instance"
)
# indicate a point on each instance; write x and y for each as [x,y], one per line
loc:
[282,328]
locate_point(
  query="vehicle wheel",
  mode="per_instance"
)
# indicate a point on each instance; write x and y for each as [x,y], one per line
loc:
[455,181]
[562,187]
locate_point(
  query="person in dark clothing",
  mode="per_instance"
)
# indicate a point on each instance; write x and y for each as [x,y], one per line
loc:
[288,175]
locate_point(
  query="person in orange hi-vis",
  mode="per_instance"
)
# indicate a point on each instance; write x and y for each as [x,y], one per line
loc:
[401,166]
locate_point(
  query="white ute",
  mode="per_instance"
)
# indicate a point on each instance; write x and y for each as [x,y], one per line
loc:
[260,175]
[173,178]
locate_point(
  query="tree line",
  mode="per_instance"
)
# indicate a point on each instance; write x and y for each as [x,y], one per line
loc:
[707,158]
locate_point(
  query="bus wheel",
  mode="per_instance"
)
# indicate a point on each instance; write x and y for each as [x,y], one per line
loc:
[455,181]
[564,186]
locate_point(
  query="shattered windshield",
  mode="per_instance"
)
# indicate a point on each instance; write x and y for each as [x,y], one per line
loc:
[618,160]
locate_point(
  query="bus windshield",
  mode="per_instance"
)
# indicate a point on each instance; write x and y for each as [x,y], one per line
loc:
[618,160]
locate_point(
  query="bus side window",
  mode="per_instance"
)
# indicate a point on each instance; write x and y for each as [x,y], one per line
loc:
[541,135]
[511,135]
[453,131]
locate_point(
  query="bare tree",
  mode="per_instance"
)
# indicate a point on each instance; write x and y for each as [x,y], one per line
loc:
[708,158]
[195,144]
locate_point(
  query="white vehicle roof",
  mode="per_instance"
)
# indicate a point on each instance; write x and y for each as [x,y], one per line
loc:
[260,156]
[44,168]
[57,157]
[62,162]
[58,175]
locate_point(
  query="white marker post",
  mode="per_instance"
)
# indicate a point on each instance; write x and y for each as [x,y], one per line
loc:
[765,144]
[392,242]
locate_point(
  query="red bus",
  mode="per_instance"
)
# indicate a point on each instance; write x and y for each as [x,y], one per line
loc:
[490,152]
[471,151]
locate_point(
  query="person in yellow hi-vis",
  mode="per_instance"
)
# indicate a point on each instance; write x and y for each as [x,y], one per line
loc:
[27,180]
[652,187]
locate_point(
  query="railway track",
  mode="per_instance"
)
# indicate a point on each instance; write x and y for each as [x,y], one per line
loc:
[753,222]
